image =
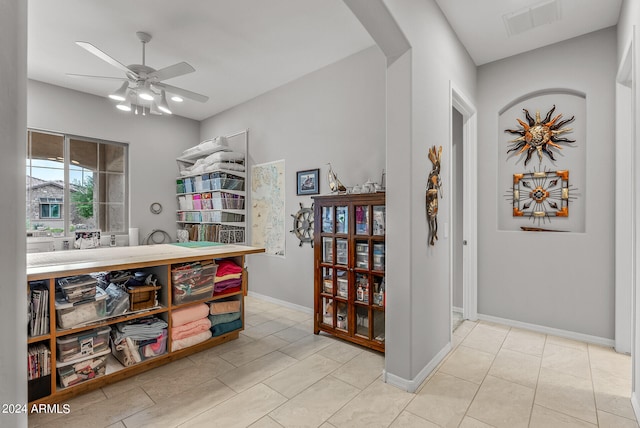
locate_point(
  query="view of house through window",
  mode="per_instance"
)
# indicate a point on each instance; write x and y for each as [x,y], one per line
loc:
[75,183]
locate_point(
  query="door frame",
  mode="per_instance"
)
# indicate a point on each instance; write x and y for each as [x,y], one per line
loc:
[461,102]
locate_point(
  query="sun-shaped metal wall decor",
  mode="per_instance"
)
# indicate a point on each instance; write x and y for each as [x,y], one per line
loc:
[303,225]
[539,135]
[541,195]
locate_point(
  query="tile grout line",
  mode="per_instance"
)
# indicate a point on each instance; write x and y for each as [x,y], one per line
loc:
[593,388]
[535,391]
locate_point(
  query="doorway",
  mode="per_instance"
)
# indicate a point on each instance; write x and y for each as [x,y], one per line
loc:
[457,217]
[463,268]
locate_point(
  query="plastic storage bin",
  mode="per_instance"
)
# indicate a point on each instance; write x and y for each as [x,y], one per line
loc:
[81,345]
[77,288]
[70,315]
[75,372]
[130,352]
[192,282]
[227,183]
[227,201]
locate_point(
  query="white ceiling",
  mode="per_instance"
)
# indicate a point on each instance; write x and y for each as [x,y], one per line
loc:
[239,48]
[243,48]
[480,26]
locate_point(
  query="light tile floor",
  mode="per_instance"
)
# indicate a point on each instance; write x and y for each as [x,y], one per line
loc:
[279,374]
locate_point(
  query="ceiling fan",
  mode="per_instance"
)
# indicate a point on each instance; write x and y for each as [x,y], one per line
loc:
[143,85]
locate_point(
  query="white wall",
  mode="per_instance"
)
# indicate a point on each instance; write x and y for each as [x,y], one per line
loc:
[418,300]
[13,304]
[629,16]
[559,280]
[335,114]
[154,143]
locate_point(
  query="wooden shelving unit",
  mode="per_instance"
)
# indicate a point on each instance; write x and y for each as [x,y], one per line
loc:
[157,259]
[349,279]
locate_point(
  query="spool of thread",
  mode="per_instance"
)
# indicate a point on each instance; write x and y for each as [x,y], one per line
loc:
[133,236]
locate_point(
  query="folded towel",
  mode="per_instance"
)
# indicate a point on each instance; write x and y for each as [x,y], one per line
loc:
[224,285]
[223,318]
[227,291]
[228,276]
[220,329]
[190,313]
[224,307]
[226,267]
[190,329]
[190,341]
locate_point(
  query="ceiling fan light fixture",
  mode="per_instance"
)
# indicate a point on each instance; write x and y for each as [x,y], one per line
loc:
[177,98]
[145,93]
[120,94]
[163,106]
[154,109]
[124,106]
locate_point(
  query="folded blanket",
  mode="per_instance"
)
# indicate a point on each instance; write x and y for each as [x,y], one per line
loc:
[226,165]
[228,283]
[224,307]
[223,318]
[220,329]
[226,291]
[190,329]
[190,313]
[226,267]
[224,157]
[228,276]
[190,341]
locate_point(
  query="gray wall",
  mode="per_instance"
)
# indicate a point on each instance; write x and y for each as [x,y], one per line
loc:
[419,297]
[335,114]
[154,144]
[13,325]
[558,280]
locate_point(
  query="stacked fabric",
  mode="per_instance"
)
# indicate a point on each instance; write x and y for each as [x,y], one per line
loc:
[228,278]
[189,326]
[224,317]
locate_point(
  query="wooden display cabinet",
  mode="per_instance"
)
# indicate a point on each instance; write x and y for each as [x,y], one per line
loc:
[349,278]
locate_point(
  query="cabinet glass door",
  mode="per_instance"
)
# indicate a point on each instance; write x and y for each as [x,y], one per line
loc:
[327,280]
[362,254]
[362,288]
[327,311]
[327,219]
[342,220]
[378,325]
[378,291]
[327,250]
[378,256]
[362,219]
[378,220]
[342,251]
[342,284]
[342,321]
[362,321]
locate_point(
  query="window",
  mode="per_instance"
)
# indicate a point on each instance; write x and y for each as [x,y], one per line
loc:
[75,183]
[50,207]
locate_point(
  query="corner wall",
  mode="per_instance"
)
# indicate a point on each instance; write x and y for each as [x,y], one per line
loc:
[13,119]
[558,280]
[419,299]
[154,144]
[335,114]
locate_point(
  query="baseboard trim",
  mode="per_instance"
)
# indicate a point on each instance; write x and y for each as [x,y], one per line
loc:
[411,385]
[635,405]
[596,340]
[457,309]
[281,302]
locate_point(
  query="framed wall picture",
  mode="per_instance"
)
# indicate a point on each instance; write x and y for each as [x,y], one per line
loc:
[308,183]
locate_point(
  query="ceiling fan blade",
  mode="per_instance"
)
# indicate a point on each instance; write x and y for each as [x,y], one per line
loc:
[96,77]
[182,92]
[103,56]
[174,70]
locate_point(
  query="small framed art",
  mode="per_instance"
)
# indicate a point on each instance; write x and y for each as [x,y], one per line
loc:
[308,183]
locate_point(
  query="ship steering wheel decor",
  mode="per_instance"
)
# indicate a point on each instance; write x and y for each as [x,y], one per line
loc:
[303,225]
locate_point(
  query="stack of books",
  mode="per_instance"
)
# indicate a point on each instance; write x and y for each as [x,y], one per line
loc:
[39,321]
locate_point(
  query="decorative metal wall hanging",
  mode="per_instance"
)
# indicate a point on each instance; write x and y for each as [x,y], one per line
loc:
[541,195]
[539,135]
[434,185]
[303,225]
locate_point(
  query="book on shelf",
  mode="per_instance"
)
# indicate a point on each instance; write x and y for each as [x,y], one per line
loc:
[39,307]
[38,361]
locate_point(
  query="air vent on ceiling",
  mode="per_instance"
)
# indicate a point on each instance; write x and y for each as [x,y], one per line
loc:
[533,16]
